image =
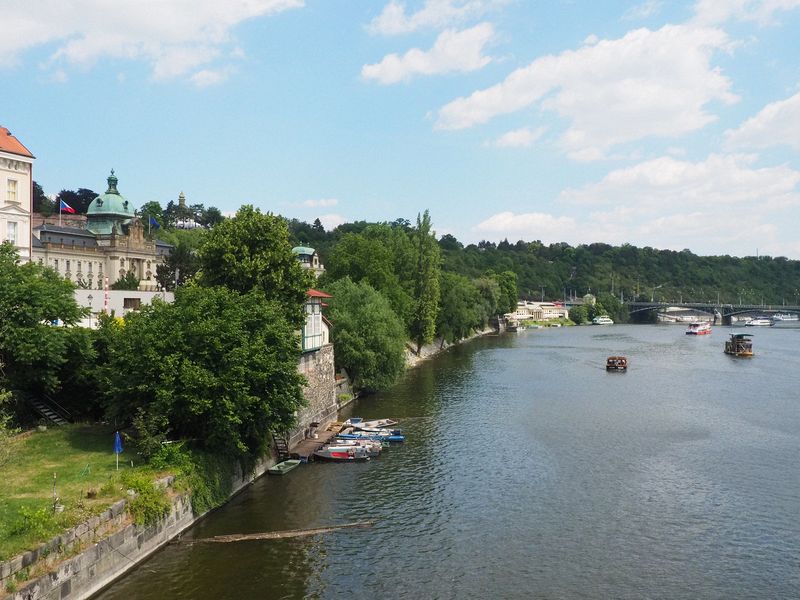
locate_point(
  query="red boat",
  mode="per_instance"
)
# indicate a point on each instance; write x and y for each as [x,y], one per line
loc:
[699,329]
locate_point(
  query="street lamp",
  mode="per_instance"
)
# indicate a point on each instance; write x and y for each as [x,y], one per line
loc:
[90,297]
[653,293]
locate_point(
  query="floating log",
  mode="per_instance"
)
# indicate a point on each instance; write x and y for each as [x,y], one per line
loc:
[279,535]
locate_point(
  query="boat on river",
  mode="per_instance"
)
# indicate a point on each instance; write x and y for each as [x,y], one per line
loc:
[337,453]
[740,344]
[699,328]
[760,322]
[602,320]
[283,467]
[785,317]
[359,423]
[616,363]
[382,435]
[373,447]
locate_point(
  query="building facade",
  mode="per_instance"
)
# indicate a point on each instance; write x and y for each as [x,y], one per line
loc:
[16,193]
[111,244]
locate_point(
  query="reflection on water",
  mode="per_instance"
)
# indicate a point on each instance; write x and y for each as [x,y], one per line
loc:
[531,472]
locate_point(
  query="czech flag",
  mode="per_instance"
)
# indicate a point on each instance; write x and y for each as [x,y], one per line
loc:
[64,207]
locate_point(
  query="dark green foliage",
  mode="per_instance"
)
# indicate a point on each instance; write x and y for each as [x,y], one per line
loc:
[460,308]
[79,200]
[219,365]
[426,291]
[369,336]
[507,302]
[32,297]
[150,503]
[41,203]
[579,314]
[129,282]
[252,251]
[180,266]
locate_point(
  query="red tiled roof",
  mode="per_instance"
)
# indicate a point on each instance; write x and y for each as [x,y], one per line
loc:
[312,293]
[8,143]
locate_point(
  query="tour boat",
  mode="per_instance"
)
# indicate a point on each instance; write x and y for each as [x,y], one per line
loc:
[283,467]
[699,329]
[616,363]
[785,317]
[740,344]
[760,322]
[602,320]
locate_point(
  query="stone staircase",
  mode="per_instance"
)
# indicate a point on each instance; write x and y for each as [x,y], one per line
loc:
[281,447]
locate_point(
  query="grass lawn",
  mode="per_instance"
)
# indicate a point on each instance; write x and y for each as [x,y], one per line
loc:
[82,459]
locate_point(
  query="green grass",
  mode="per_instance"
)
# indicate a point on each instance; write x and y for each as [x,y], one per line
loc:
[82,459]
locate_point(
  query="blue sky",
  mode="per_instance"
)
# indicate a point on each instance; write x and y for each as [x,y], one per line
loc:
[669,124]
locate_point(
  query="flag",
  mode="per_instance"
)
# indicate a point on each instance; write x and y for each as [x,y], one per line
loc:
[63,206]
[153,222]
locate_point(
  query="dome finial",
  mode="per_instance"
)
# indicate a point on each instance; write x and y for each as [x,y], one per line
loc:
[112,184]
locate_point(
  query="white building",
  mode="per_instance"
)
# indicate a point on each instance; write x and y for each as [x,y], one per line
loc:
[539,311]
[16,193]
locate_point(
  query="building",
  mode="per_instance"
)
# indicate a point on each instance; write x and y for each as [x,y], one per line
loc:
[539,311]
[111,244]
[16,193]
[309,259]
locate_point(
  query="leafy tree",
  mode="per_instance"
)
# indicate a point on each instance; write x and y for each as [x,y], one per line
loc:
[6,431]
[79,389]
[41,203]
[216,366]
[317,227]
[488,298]
[369,336]
[252,251]
[507,280]
[79,199]
[180,265]
[211,216]
[152,209]
[459,308]
[129,282]
[32,298]
[426,282]
[579,314]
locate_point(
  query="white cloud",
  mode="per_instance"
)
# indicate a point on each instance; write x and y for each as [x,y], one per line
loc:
[323,202]
[208,77]
[647,83]
[721,182]
[643,11]
[776,124]
[331,221]
[518,138]
[452,51]
[435,14]
[760,11]
[507,224]
[175,37]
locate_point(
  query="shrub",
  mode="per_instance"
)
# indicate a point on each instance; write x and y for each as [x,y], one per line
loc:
[150,503]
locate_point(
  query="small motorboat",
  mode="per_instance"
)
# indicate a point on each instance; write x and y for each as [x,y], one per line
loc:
[283,467]
[699,328]
[373,447]
[383,435]
[359,423]
[616,363]
[334,452]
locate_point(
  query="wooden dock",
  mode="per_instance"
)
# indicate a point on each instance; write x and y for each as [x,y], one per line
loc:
[305,449]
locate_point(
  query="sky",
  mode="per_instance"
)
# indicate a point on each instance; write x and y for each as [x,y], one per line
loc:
[671,124]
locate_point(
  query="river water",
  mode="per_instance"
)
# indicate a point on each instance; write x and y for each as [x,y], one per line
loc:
[531,472]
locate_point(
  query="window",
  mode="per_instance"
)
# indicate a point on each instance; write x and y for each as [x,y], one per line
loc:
[11,232]
[67,267]
[132,303]
[90,266]
[12,190]
[55,264]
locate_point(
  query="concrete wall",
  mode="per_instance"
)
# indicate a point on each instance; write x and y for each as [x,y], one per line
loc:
[107,556]
[320,392]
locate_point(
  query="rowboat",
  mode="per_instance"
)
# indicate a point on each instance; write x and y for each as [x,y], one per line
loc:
[283,467]
[359,423]
[342,453]
[384,435]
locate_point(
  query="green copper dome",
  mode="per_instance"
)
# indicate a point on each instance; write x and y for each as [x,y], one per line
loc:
[109,209]
[303,250]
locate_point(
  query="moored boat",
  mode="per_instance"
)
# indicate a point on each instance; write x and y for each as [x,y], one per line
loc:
[699,328]
[383,435]
[616,363]
[359,423]
[785,317]
[739,344]
[373,447]
[335,452]
[283,467]
[602,320]
[760,322]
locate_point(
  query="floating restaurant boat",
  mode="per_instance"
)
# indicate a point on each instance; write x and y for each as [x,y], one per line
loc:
[342,453]
[699,329]
[602,320]
[740,344]
[283,467]
[616,363]
[760,322]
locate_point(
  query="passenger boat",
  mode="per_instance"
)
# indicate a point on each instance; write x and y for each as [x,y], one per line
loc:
[616,363]
[699,328]
[760,322]
[283,467]
[740,344]
[338,453]
[602,320]
[785,317]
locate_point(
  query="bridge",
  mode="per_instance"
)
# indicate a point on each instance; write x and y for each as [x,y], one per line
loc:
[723,311]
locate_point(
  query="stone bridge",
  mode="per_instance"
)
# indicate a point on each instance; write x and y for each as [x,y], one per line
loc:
[722,312]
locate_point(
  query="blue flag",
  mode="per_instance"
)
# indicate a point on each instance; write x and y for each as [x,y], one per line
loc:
[117,443]
[154,223]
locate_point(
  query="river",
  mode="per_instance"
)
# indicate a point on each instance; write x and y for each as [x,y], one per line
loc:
[531,472]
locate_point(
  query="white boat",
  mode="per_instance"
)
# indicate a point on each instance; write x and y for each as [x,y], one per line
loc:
[602,320]
[373,447]
[359,423]
[785,317]
[699,328]
[760,322]
[335,452]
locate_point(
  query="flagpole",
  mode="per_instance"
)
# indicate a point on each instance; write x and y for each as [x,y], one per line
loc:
[59,213]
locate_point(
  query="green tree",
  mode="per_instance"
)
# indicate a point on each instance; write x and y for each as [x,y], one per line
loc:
[459,307]
[129,282]
[32,298]
[6,431]
[579,314]
[151,209]
[426,282]
[180,265]
[216,366]
[489,297]
[368,335]
[211,216]
[507,280]
[79,200]
[252,251]
[41,203]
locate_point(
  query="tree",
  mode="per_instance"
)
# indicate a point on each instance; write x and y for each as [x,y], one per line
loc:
[129,282]
[489,297]
[79,200]
[6,431]
[151,209]
[41,203]
[426,282]
[180,265]
[579,314]
[507,280]
[216,366]
[210,217]
[369,336]
[32,299]
[459,308]
[252,251]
